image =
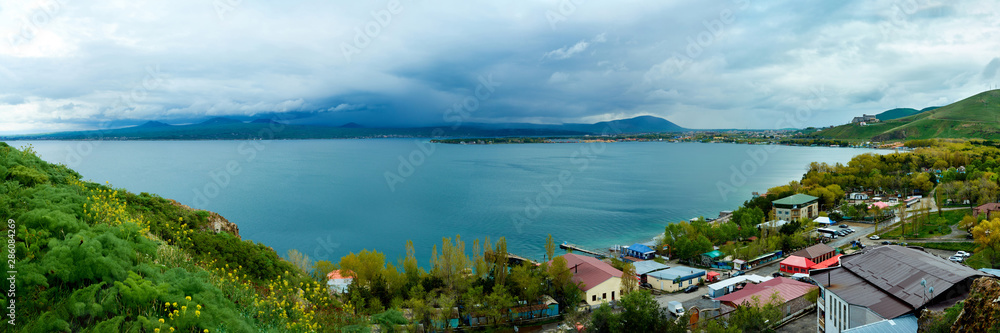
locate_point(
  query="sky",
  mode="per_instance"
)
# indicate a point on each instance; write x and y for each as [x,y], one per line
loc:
[71,65]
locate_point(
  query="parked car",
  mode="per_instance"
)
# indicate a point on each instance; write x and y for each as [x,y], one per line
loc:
[874,237]
[956,259]
[843,226]
[886,242]
[777,274]
[690,289]
[706,296]
[738,273]
[963,254]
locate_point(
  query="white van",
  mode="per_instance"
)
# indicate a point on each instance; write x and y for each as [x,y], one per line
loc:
[675,308]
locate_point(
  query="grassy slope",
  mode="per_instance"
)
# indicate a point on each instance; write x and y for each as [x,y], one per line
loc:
[91,258]
[974,117]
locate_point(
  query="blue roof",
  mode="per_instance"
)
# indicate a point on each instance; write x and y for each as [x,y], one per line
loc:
[995,272]
[640,248]
[903,324]
[644,267]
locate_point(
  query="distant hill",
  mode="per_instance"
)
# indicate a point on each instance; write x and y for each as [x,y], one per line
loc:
[231,129]
[641,124]
[974,117]
[896,113]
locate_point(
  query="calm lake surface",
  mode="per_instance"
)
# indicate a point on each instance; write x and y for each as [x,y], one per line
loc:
[327,198]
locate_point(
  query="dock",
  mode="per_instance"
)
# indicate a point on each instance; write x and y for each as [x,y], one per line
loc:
[514,260]
[577,248]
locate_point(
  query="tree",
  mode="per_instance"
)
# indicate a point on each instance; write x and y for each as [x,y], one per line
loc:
[301,261]
[321,269]
[629,282]
[754,316]
[550,247]
[987,235]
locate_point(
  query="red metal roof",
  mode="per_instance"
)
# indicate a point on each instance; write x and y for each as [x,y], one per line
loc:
[798,261]
[827,263]
[339,274]
[786,288]
[589,270]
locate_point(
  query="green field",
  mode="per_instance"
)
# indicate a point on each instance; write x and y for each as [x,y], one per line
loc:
[974,117]
[932,226]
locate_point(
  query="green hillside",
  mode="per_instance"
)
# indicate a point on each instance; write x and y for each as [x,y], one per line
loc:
[974,117]
[896,113]
[91,258]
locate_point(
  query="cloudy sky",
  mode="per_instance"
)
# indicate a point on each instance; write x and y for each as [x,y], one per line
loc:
[719,64]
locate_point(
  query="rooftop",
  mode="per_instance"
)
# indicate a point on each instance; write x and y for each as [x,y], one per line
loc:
[644,267]
[833,261]
[677,272]
[797,261]
[904,324]
[786,288]
[795,199]
[813,251]
[640,248]
[887,279]
[589,270]
[742,278]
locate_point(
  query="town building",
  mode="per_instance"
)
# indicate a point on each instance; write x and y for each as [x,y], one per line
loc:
[885,283]
[986,209]
[599,281]
[729,285]
[865,118]
[794,207]
[675,278]
[642,268]
[790,293]
[709,258]
[795,264]
[339,280]
[816,253]
[638,251]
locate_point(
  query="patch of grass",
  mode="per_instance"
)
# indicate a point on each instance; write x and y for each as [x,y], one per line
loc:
[957,246]
[929,227]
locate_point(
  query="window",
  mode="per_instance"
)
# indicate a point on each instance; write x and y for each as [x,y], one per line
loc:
[593,298]
[604,295]
[612,295]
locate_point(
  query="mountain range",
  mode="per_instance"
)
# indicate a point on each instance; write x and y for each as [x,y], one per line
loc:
[223,128]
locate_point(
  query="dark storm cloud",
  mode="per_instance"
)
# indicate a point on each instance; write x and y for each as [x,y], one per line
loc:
[731,63]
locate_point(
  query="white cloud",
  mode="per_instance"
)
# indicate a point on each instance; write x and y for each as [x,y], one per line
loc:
[566,52]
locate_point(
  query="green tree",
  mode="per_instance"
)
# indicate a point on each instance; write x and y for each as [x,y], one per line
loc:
[629,282]
[987,235]
[550,247]
[321,269]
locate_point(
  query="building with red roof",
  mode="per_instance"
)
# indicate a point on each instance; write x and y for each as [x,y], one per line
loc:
[790,293]
[796,264]
[832,262]
[338,280]
[599,281]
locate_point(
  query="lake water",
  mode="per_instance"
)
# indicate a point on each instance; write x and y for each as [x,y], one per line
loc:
[327,198]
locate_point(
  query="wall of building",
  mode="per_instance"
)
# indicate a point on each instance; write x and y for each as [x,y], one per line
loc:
[604,291]
[669,285]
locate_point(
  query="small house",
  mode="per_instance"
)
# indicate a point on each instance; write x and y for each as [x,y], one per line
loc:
[639,251]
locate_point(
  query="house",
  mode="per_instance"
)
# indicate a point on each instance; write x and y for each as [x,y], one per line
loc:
[795,264]
[865,118]
[708,258]
[885,283]
[548,307]
[639,251]
[857,196]
[642,268]
[816,253]
[339,280]
[796,206]
[599,281]
[732,284]
[986,209]
[674,278]
[791,293]
[773,225]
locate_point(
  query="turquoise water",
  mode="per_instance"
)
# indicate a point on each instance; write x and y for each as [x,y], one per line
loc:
[327,198]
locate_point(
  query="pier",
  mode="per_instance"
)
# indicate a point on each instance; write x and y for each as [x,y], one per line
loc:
[576,248]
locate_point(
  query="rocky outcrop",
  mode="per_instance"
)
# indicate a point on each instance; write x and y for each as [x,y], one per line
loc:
[981,311]
[216,222]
